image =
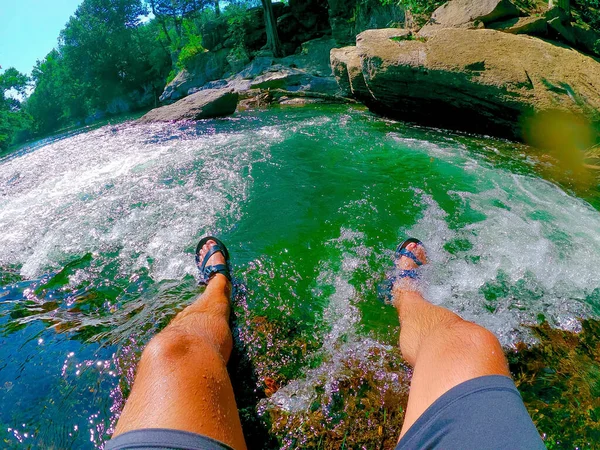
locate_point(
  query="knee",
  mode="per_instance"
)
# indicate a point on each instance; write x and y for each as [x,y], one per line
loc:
[474,337]
[479,344]
[173,348]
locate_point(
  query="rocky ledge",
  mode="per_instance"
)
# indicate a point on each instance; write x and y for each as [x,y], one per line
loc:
[205,104]
[478,80]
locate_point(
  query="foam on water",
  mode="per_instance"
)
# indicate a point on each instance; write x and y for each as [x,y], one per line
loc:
[146,191]
[535,246]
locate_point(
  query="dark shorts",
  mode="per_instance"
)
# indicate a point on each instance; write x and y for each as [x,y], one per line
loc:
[163,439]
[484,413]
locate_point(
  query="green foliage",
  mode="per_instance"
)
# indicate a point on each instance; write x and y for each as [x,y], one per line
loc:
[589,11]
[12,117]
[191,48]
[106,55]
[237,18]
[417,7]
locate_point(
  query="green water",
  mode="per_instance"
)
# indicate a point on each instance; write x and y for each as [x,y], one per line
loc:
[97,233]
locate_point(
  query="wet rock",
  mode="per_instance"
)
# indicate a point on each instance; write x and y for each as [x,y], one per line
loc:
[473,80]
[208,66]
[300,101]
[201,105]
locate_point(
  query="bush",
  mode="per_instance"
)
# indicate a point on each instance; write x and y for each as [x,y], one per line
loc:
[418,10]
[589,11]
[189,51]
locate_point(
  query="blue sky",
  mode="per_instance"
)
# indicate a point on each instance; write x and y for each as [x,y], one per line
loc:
[29,30]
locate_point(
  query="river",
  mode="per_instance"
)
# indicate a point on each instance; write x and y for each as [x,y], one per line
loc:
[98,229]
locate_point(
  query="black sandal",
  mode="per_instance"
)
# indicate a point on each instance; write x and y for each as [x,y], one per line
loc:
[207,272]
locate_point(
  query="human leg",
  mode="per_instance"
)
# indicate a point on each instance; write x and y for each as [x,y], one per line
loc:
[443,349]
[182,381]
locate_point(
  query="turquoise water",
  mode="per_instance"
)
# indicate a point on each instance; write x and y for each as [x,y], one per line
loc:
[97,233]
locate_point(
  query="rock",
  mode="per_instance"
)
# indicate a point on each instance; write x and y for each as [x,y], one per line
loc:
[201,105]
[323,85]
[430,29]
[484,81]
[217,84]
[207,66]
[300,101]
[459,12]
[258,66]
[313,57]
[213,32]
[561,32]
[347,65]
[347,18]
[535,26]
[238,57]
[587,39]
[347,69]
[280,77]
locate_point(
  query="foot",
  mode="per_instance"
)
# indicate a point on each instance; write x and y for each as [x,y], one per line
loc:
[404,263]
[216,259]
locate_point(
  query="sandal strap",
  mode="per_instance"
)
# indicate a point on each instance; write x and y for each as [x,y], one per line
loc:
[412,273]
[209,271]
[411,255]
[211,251]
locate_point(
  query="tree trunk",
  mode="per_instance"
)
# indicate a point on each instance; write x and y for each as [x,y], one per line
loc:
[271,25]
[217,8]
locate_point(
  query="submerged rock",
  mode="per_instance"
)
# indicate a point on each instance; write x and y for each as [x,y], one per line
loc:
[473,80]
[204,104]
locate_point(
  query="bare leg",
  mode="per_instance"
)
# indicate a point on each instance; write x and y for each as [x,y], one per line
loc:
[443,349]
[182,381]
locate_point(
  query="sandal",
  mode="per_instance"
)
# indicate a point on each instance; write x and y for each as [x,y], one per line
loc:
[207,272]
[384,290]
[403,251]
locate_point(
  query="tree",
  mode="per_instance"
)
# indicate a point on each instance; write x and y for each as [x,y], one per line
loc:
[52,99]
[106,57]
[12,117]
[173,13]
[271,26]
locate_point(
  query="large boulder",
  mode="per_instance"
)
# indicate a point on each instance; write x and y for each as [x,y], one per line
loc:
[456,13]
[207,66]
[474,80]
[204,104]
